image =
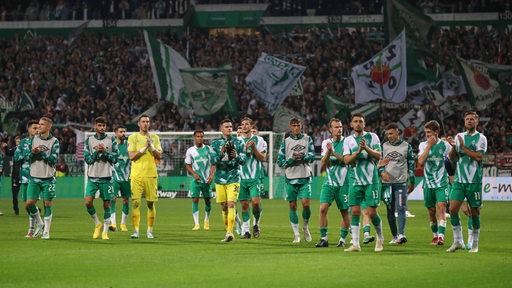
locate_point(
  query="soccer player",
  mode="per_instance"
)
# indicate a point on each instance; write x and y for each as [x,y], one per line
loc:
[100,154]
[22,149]
[396,170]
[361,150]
[335,187]
[435,185]
[198,162]
[296,154]
[121,176]
[228,153]
[43,152]
[145,151]
[468,151]
[251,172]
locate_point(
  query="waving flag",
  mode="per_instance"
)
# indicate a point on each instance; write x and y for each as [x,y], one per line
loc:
[384,77]
[166,64]
[272,80]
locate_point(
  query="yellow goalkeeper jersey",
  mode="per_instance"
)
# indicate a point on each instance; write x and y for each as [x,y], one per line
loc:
[145,166]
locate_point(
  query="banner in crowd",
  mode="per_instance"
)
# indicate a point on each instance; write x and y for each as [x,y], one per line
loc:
[207,90]
[485,82]
[335,107]
[452,83]
[272,80]
[400,15]
[165,64]
[13,112]
[77,32]
[282,118]
[384,77]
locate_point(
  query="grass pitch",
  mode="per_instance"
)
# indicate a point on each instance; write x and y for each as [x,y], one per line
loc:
[180,257]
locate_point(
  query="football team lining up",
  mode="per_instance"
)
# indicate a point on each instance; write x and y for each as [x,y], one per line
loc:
[360,173]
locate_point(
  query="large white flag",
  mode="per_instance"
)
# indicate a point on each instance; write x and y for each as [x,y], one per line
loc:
[166,64]
[384,77]
[272,80]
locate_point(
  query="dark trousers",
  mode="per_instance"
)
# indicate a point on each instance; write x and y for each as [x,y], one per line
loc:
[15,191]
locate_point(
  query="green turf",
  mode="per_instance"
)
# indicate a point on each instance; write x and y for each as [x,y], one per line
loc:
[181,257]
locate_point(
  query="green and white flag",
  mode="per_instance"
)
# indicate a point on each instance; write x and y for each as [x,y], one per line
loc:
[165,65]
[207,90]
[485,82]
[272,80]
[384,77]
[282,118]
[335,106]
[400,15]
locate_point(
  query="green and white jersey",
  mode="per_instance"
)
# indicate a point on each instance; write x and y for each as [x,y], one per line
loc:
[364,170]
[23,149]
[434,170]
[227,170]
[469,170]
[336,174]
[122,167]
[201,161]
[253,168]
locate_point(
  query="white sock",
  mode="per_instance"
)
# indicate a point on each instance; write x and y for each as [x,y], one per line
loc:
[295,228]
[31,224]
[476,236]
[246,226]
[106,223]
[123,218]
[378,230]
[457,234]
[195,215]
[355,235]
[113,218]
[95,219]
[470,236]
[207,216]
[47,224]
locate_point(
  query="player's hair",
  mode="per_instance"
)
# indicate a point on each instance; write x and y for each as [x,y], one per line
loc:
[198,132]
[32,122]
[433,125]
[391,125]
[333,120]
[225,121]
[119,127]
[247,119]
[100,120]
[357,115]
[295,120]
[471,113]
[143,116]
[47,119]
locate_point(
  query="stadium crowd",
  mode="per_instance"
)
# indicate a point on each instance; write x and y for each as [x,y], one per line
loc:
[32,10]
[110,75]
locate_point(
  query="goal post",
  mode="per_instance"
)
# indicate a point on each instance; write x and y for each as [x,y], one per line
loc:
[174,180]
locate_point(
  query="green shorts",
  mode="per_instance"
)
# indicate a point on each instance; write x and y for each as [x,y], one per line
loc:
[298,191]
[335,193]
[471,191]
[249,188]
[431,196]
[122,189]
[196,188]
[368,194]
[38,187]
[106,190]
[23,191]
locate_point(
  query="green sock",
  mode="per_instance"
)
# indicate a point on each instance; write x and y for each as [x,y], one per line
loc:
[355,220]
[112,206]
[323,232]
[47,211]
[376,221]
[367,229]
[344,232]
[306,213]
[246,216]
[476,222]
[195,207]
[208,206]
[294,217]
[470,222]
[454,219]
[107,213]
[126,208]
[91,210]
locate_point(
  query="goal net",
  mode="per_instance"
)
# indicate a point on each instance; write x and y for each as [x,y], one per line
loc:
[174,181]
